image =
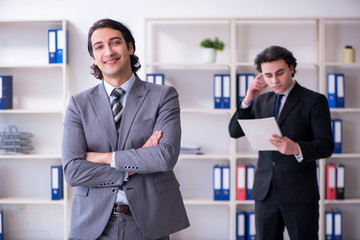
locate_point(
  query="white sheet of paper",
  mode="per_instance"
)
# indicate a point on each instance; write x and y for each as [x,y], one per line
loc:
[259,131]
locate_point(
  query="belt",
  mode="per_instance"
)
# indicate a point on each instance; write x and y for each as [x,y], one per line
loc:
[120,208]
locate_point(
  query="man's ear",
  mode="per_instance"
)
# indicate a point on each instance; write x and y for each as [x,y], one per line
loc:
[131,48]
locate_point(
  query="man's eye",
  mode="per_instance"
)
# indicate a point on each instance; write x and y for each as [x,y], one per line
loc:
[116,43]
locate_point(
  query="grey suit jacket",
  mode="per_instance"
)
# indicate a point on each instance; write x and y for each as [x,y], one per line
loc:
[153,192]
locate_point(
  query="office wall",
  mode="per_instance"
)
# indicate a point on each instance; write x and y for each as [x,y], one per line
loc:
[83,13]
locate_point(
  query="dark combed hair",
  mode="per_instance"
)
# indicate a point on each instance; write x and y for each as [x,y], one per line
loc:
[274,53]
[109,23]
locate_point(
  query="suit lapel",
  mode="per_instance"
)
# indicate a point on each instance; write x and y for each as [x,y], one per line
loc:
[134,101]
[100,101]
[292,99]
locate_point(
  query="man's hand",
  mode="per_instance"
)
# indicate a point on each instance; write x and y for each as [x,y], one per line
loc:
[285,145]
[106,158]
[154,139]
[254,89]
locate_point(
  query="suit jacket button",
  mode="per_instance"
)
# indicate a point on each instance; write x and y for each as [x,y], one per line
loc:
[274,163]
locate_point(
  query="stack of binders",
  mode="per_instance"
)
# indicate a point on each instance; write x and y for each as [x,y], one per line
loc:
[244,182]
[335,181]
[56,45]
[336,90]
[221,183]
[333,225]
[222,91]
[245,226]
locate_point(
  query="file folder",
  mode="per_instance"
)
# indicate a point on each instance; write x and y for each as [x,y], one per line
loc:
[217,182]
[217,91]
[250,222]
[331,81]
[337,225]
[329,226]
[241,182]
[240,226]
[340,182]
[1,225]
[337,134]
[226,91]
[340,90]
[318,175]
[225,175]
[6,92]
[52,45]
[330,181]
[56,183]
[250,174]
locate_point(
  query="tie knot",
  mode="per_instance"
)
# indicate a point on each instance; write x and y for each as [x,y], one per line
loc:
[117,93]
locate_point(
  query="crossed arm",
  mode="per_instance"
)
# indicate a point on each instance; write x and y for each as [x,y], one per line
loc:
[106,158]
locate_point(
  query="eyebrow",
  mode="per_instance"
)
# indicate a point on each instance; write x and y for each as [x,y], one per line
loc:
[109,40]
[281,69]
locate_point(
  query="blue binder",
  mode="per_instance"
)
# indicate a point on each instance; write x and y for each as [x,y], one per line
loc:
[217,91]
[217,182]
[52,45]
[250,223]
[331,93]
[250,174]
[337,222]
[6,92]
[340,90]
[226,91]
[61,44]
[225,183]
[242,86]
[240,226]
[156,78]
[329,225]
[57,190]
[337,134]
[1,225]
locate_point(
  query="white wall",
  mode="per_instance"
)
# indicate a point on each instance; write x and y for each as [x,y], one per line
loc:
[83,13]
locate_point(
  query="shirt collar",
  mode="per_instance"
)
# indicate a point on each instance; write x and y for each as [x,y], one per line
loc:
[126,86]
[286,93]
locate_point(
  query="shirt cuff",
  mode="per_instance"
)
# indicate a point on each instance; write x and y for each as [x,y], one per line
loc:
[299,157]
[244,105]
[113,160]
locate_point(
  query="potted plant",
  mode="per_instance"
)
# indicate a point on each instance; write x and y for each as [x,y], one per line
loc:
[210,47]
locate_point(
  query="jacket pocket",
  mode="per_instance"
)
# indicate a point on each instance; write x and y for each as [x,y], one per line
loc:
[81,191]
[167,185]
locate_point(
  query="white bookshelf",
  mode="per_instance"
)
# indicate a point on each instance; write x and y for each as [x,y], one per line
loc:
[40,93]
[172,47]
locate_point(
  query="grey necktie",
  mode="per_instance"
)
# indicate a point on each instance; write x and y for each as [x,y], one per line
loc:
[116,105]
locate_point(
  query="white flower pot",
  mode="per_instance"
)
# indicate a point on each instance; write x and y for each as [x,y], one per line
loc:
[209,55]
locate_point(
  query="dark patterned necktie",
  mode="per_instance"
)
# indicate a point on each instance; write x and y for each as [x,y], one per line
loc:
[116,105]
[277,105]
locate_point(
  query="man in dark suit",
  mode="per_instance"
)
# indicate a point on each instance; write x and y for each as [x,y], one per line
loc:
[119,150]
[285,185]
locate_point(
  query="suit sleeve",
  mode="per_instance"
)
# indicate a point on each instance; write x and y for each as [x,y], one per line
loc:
[235,130]
[163,157]
[78,171]
[322,145]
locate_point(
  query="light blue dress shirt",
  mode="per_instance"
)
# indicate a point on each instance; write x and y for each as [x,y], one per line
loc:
[121,198]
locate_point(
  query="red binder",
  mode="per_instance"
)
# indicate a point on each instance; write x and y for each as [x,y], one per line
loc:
[240,182]
[330,181]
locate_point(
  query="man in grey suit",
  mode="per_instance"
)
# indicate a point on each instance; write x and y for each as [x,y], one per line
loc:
[121,164]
